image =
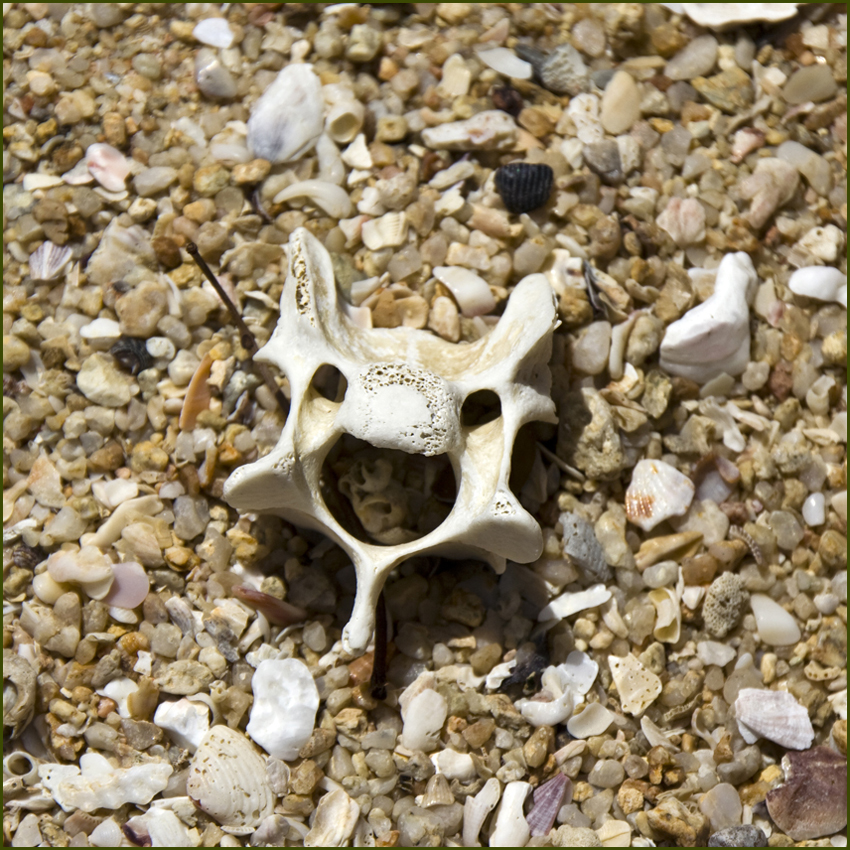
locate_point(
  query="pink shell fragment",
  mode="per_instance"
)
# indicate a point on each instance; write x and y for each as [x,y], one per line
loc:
[276,611]
[108,166]
[548,799]
[130,586]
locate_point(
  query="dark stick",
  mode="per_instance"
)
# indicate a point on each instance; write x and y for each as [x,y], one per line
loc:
[249,343]
[379,665]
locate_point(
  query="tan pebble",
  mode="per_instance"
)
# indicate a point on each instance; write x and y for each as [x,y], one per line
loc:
[839,735]
[16,353]
[538,746]
[210,180]
[141,308]
[391,128]
[305,778]
[484,659]
[630,795]
[477,734]
[251,172]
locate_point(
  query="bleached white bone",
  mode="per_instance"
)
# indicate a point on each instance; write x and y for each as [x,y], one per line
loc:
[405,390]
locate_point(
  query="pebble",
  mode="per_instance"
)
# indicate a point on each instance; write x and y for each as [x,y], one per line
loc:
[213,78]
[140,310]
[620,104]
[696,59]
[730,91]
[100,382]
[813,83]
[814,509]
[775,625]
[152,181]
[738,836]
[603,158]
[590,351]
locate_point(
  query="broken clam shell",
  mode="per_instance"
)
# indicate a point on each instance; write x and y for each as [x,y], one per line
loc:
[774,715]
[228,780]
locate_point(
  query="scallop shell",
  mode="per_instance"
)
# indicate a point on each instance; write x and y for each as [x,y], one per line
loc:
[547,802]
[228,780]
[658,491]
[774,715]
[48,261]
[524,186]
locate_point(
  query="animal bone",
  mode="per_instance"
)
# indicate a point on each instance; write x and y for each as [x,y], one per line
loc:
[405,390]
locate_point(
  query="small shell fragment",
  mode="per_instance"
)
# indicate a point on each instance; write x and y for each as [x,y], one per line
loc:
[108,166]
[775,715]
[228,780]
[336,817]
[506,62]
[476,809]
[657,492]
[48,261]
[547,802]
[524,186]
[593,720]
[638,687]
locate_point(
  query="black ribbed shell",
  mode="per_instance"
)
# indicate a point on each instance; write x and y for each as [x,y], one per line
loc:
[524,186]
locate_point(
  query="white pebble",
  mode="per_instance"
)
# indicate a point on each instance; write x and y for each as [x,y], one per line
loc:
[215,32]
[283,688]
[714,652]
[775,625]
[506,62]
[822,282]
[185,721]
[161,347]
[423,718]
[814,509]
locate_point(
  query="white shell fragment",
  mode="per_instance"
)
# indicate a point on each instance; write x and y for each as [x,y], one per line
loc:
[336,817]
[470,290]
[186,722]
[822,282]
[283,688]
[332,199]
[775,715]
[657,492]
[405,390]
[570,603]
[506,62]
[638,687]
[215,32]
[287,120]
[228,780]
[476,809]
[593,720]
[488,130]
[775,625]
[511,829]
[714,337]
[722,15]
[48,261]
[96,784]
[108,166]
[668,615]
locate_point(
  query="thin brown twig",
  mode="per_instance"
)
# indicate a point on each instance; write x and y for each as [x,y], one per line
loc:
[249,342]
